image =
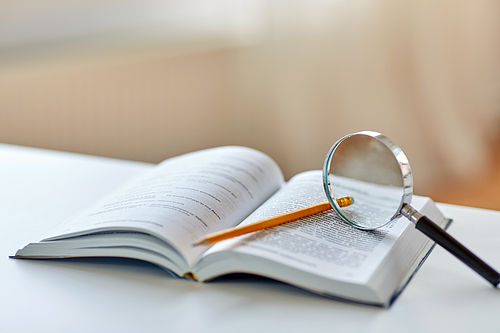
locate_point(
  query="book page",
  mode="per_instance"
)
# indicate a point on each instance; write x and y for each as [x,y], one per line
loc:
[322,244]
[184,198]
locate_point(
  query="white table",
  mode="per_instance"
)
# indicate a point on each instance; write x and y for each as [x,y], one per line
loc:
[39,188]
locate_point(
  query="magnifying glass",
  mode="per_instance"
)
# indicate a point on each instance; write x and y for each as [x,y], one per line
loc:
[373,170]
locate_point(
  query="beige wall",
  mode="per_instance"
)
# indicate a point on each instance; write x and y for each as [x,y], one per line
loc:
[426,74]
[138,109]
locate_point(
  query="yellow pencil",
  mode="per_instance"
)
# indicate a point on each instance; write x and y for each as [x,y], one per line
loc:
[271,222]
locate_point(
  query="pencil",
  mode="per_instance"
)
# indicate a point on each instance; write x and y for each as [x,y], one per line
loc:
[271,222]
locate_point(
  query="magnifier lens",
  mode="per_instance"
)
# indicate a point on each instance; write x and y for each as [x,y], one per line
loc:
[365,166]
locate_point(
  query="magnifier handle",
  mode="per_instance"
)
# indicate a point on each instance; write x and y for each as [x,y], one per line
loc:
[441,237]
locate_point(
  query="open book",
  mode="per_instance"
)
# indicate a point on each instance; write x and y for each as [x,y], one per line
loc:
[158,216]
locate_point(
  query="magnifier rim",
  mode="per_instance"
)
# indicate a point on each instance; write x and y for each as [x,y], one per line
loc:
[404,167]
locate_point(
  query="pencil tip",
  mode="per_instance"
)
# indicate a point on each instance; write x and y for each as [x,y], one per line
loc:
[201,241]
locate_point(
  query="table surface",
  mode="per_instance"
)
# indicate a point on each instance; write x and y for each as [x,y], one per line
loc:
[40,188]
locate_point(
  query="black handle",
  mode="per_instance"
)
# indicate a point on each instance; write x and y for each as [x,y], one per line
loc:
[441,237]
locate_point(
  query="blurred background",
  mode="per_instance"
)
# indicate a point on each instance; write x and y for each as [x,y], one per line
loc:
[147,80]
